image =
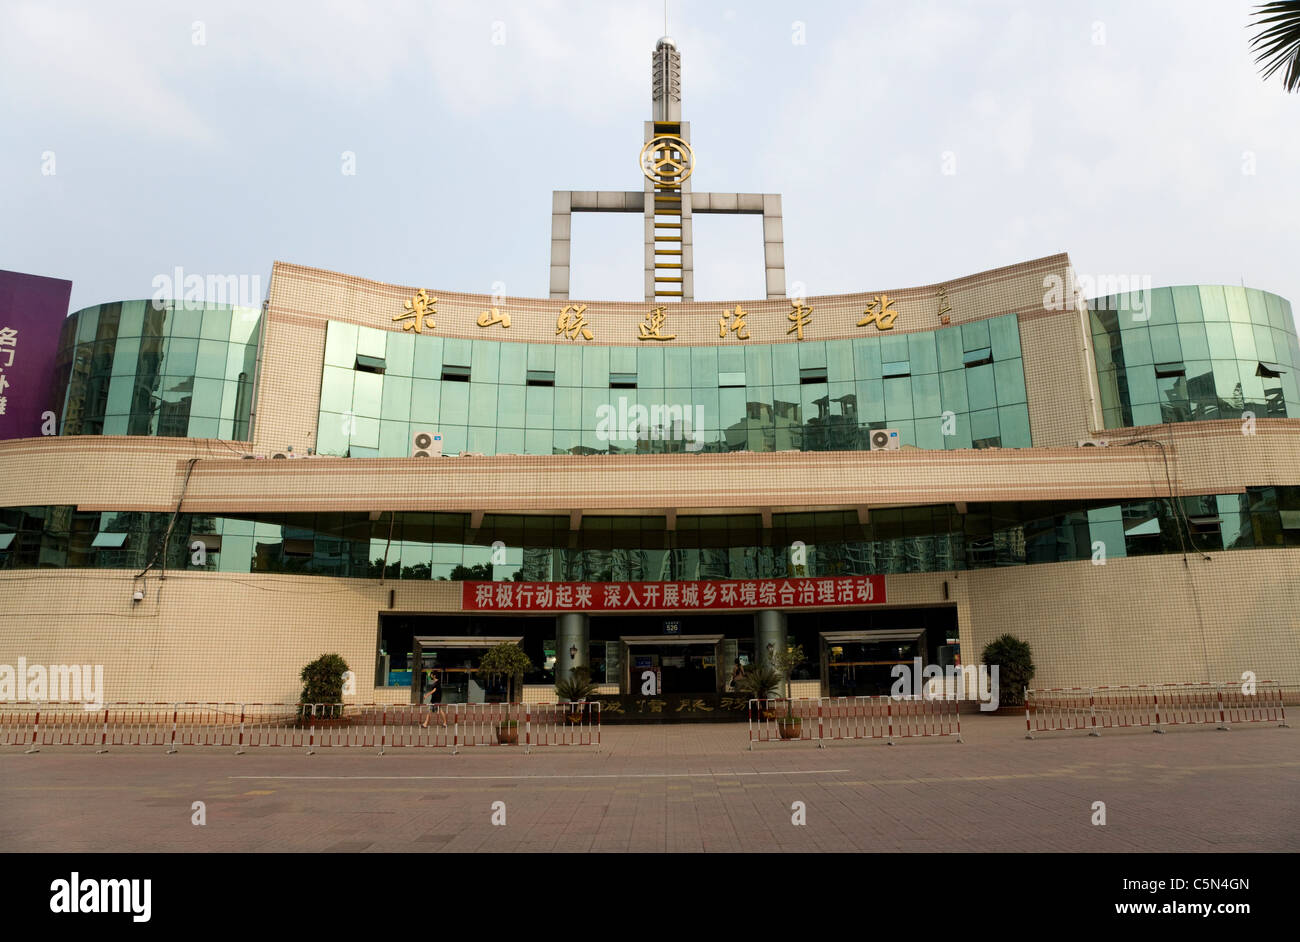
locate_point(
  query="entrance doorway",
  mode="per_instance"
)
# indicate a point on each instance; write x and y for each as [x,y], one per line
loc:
[454,661]
[676,664]
[859,663]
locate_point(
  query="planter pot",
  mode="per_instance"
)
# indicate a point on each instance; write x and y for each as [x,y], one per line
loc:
[508,735]
[789,729]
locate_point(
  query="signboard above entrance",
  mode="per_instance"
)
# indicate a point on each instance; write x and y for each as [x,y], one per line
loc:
[672,596]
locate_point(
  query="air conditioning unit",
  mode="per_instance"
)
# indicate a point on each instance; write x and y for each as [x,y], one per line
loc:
[425,444]
[884,439]
[1094,442]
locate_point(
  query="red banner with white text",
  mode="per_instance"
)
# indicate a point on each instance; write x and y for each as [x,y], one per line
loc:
[709,595]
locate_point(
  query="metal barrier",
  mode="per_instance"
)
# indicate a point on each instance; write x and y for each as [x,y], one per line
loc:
[826,719]
[562,724]
[306,726]
[1151,706]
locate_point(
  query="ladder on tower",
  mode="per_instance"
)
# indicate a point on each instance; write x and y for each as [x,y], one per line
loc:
[668,241]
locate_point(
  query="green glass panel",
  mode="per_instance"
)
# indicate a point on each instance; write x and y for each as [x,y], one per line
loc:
[898,399]
[1004,336]
[454,438]
[510,406]
[785,364]
[542,356]
[922,354]
[1243,341]
[1258,307]
[372,342]
[540,441]
[622,359]
[424,401]
[568,409]
[980,391]
[925,395]
[185,321]
[1192,341]
[566,362]
[952,391]
[454,408]
[120,394]
[487,358]
[649,367]
[1238,307]
[483,403]
[216,324]
[126,353]
[396,405]
[893,348]
[1279,312]
[230,400]
[132,319]
[244,324]
[427,363]
[973,336]
[1164,344]
[704,366]
[513,364]
[1146,414]
[367,395]
[1214,306]
[1013,422]
[811,354]
[1010,381]
[211,359]
[182,356]
[510,441]
[758,364]
[394,439]
[365,432]
[1142,385]
[731,359]
[839,360]
[115,425]
[984,424]
[483,440]
[400,356]
[1264,349]
[1219,339]
[1226,379]
[1175,305]
[207,398]
[595,367]
[929,433]
[866,358]
[539,405]
[203,427]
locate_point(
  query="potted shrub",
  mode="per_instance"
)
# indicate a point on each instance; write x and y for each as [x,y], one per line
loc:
[322,685]
[574,691]
[506,660]
[1015,668]
[759,682]
[789,726]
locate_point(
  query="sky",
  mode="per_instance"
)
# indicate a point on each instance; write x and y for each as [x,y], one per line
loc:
[912,143]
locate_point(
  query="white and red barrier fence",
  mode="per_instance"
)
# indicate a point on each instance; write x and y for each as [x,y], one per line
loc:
[1152,706]
[825,719]
[310,727]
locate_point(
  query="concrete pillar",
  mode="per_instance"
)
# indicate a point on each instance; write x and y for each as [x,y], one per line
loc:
[769,628]
[572,630]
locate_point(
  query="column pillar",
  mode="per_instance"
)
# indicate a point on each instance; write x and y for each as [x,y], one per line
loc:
[572,630]
[769,628]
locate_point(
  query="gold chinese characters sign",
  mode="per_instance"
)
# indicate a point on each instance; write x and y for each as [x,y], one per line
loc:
[419,314]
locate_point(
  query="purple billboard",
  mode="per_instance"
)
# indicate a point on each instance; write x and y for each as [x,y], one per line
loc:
[32,311]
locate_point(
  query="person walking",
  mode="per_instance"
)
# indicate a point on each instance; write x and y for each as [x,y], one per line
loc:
[433,695]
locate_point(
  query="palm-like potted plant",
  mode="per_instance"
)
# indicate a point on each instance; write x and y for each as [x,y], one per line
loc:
[505,660]
[759,681]
[574,691]
[789,726]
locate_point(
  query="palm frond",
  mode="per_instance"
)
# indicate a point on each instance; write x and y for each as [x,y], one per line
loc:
[1278,42]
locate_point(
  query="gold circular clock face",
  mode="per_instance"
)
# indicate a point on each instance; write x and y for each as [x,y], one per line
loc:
[667,160]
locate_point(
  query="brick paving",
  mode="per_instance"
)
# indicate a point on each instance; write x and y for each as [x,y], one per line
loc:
[676,788]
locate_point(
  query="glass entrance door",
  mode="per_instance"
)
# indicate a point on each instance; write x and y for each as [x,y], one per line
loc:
[861,666]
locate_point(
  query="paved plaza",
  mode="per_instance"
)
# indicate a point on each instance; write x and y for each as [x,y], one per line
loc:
[676,788]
